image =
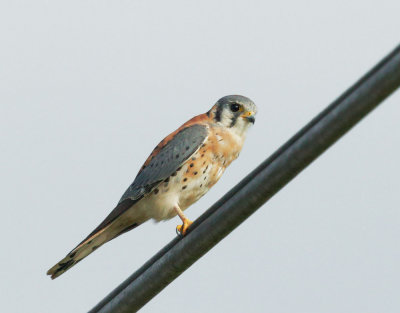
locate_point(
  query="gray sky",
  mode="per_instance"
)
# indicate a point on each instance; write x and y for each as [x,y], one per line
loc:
[88,88]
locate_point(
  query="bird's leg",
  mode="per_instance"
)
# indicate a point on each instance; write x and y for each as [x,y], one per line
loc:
[181,229]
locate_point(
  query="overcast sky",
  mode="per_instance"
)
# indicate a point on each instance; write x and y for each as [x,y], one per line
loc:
[88,88]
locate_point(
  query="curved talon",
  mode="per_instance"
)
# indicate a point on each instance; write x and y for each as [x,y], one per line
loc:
[182,229]
[177,229]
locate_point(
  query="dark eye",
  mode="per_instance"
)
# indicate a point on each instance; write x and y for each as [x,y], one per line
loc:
[235,107]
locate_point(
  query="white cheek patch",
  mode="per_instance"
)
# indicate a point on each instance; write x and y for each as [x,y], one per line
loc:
[226,118]
[241,127]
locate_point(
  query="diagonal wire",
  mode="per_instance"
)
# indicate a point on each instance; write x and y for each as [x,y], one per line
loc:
[256,188]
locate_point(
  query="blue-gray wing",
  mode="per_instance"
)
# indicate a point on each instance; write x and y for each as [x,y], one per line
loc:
[178,150]
[163,164]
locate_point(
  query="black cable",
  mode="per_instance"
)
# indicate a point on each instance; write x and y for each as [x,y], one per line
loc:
[256,188]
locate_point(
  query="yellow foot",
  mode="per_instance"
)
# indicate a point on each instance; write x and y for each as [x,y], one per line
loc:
[181,229]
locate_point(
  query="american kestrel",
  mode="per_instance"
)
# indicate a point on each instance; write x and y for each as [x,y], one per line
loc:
[179,171]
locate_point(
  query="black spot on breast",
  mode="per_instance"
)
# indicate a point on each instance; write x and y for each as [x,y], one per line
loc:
[167,180]
[185,179]
[184,187]
[156,191]
[191,164]
[205,178]
[187,147]
[195,173]
[201,185]
[173,174]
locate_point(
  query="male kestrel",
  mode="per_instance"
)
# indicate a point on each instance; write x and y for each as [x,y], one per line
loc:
[179,171]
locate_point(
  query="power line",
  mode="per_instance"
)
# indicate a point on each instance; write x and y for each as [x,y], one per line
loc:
[256,188]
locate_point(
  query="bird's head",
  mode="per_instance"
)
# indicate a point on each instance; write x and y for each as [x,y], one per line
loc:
[236,112]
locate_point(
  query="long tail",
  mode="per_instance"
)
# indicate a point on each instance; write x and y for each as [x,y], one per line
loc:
[86,247]
[114,225]
[81,251]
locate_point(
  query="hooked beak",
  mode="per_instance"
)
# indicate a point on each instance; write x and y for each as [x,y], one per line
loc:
[249,116]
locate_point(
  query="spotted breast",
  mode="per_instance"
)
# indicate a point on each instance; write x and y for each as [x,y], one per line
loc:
[179,171]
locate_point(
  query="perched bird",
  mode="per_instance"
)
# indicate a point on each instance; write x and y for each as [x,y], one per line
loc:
[179,171]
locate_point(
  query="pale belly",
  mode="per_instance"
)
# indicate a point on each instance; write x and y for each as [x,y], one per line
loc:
[160,204]
[187,185]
